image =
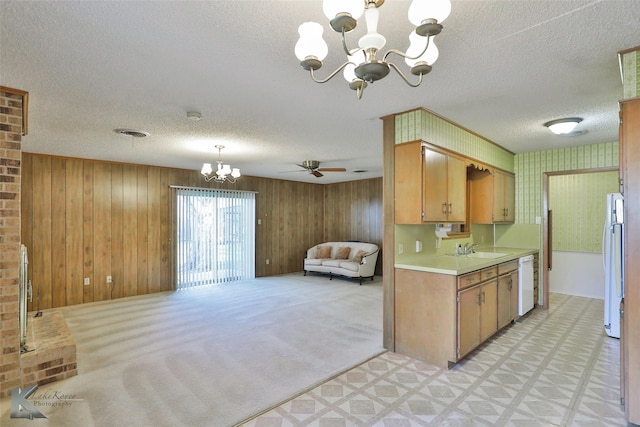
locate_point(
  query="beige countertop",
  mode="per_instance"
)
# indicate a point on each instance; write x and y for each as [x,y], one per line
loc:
[459,264]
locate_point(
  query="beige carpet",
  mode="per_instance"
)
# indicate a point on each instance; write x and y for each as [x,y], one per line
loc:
[213,356]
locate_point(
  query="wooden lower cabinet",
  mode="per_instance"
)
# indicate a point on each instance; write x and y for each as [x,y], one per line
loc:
[441,318]
[425,316]
[477,316]
[488,310]
[507,298]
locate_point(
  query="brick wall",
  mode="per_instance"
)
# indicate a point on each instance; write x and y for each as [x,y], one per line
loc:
[10,172]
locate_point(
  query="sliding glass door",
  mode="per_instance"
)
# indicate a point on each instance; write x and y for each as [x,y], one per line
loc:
[215,236]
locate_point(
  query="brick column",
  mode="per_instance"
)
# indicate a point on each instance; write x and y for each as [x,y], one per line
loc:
[10,173]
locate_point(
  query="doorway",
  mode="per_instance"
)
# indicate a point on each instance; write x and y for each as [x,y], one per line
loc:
[573,217]
[214,235]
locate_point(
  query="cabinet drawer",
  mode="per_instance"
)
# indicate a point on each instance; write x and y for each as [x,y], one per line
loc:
[478,276]
[506,267]
[488,273]
[469,279]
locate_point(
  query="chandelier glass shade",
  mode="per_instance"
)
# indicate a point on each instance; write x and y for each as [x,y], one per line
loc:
[365,64]
[223,172]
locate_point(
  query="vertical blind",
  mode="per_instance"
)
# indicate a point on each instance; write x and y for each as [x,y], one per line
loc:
[214,236]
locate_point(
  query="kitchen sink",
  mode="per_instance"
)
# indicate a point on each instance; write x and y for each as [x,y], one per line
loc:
[486,255]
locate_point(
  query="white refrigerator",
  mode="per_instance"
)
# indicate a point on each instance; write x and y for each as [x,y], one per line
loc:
[612,257]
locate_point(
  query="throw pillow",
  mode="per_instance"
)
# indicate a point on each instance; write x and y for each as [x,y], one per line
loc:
[323,252]
[359,255]
[343,252]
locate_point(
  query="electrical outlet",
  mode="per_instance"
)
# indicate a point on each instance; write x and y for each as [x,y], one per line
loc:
[259,221]
[109,279]
[87,281]
[268,261]
[418,246]
[400,248]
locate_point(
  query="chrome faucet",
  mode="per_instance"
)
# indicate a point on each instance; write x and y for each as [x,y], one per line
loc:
[469,248]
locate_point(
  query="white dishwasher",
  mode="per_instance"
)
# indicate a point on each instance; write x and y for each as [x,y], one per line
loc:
[525,282]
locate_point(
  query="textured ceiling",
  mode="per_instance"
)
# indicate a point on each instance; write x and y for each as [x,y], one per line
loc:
[505,68]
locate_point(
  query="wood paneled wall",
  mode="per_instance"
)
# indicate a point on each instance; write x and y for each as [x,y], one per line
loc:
[353,211]
[93,219]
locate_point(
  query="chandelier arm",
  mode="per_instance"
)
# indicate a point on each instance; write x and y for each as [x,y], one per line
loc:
[332,75]
[347,51]
[213,177]
[404,55]
[395,67]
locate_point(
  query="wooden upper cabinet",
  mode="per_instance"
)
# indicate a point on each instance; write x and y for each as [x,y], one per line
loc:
[457,189]
[509,196]
[430,185]
[435,184]
[492,195]
[408,183]
[445,187]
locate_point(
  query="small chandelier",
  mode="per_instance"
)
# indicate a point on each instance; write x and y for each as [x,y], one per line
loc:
[362,65]
[224,172]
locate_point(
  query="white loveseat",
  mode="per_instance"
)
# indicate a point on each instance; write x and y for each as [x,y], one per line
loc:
[350,259]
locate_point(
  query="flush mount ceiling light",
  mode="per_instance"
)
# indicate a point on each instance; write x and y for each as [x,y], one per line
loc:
[222,174]
[362,66]
[564,127]
[131,132]
[194,116]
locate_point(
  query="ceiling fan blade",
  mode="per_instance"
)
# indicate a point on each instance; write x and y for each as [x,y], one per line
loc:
[332,169]
[317,174]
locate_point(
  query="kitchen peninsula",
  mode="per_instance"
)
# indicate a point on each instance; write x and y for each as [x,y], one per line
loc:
[447,305]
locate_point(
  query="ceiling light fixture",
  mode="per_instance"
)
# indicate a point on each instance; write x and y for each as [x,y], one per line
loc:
[222,174]
[362,66]
[564,126]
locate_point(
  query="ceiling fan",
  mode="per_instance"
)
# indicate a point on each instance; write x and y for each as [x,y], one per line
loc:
[313,167]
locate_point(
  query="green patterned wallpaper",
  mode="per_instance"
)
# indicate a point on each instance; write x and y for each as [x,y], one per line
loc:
[578,203]
[422,125]
[530,166]
[631,74]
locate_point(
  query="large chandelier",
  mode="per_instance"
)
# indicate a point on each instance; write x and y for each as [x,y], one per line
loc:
[362,65]
[222,174]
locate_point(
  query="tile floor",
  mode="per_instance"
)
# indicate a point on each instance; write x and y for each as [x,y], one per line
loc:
[551,368]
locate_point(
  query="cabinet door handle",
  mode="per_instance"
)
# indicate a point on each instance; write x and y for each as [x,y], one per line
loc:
[444,208]
[479,299]
[483,297]
[450,209]
[506,212]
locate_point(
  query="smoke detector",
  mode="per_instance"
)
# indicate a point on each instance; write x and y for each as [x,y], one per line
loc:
[131,132]
[194,116]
